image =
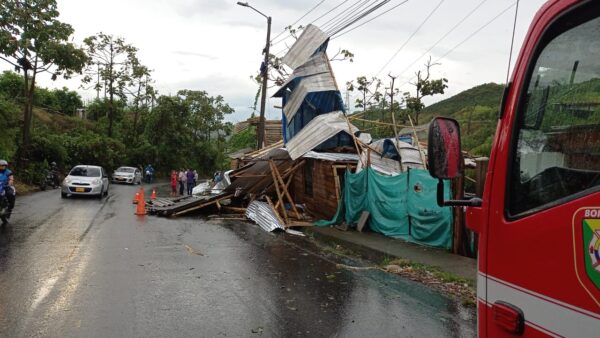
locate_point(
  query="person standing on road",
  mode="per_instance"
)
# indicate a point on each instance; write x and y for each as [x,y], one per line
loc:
[190,181]
[182,179]
[174,179]
[7,181]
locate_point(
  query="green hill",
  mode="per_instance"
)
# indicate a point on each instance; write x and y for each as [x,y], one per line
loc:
[485,95]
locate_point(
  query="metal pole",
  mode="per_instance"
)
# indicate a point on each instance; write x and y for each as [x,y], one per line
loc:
[263,100]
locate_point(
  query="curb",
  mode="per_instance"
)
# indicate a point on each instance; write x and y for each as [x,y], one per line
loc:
[393,248]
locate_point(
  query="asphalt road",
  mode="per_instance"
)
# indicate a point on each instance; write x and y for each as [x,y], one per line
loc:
[83,267]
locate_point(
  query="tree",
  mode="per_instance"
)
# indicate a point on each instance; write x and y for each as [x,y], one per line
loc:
[370,96]
[111,66]
[206,113]
[141,91]
[423,87]
[34,41]
[67,101]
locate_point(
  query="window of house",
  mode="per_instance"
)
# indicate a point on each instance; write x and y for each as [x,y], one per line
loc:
[308,177]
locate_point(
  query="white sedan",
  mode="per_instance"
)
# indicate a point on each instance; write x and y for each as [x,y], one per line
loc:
[129,175]
[85,180]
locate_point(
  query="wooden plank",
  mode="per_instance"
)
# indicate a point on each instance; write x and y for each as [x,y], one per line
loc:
[202,205]
[285,191]
[364,216]
[234,210]
[275,210]
[336,179]
[279,196]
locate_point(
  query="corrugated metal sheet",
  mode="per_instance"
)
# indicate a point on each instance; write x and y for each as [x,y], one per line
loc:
[263,215]
[309,41]
[333,157]
[256,177]
[317,131]
[315,65]
[408,154]
[315,83]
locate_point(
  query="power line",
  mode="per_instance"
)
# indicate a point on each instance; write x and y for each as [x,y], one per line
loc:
[302,17]
[351,9]
[410,37]
[273,43]
[366,22]
[335,22]
[347,23]
[444,36]
[467,38]
[329,11]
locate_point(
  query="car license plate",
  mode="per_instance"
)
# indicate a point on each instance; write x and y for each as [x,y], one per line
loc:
[79,189]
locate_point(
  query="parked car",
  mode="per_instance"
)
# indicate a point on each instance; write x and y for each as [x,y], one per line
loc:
[129,175]
[85,180]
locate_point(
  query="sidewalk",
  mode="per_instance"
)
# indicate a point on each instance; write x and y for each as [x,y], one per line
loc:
[376,247]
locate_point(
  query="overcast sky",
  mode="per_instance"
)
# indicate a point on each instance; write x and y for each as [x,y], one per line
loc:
[215,45]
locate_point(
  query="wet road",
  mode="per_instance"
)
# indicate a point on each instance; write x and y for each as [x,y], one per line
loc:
[89,268]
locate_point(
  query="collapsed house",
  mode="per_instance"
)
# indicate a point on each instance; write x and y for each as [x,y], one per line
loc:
[325,171]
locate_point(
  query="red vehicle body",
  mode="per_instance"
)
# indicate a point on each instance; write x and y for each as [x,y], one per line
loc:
[539,218]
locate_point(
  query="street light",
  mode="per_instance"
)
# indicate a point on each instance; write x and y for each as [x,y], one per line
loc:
[265,72]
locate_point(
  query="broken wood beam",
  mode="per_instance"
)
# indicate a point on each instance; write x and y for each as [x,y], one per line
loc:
[275,211]
[279,196]
[285,190]
[202,205]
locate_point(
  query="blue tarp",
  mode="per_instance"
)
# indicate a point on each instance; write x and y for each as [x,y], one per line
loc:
[315,104]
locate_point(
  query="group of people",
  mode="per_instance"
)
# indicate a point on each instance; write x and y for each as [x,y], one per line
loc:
[183,178]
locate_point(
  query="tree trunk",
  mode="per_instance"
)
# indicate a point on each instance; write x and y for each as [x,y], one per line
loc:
[27,115]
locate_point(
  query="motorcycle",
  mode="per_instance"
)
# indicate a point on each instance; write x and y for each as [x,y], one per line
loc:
[3,205]
[50,180]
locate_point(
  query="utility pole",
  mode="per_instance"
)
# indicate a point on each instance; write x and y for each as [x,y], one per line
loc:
[265,77]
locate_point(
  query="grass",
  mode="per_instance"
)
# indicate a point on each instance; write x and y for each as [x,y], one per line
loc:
[442,276]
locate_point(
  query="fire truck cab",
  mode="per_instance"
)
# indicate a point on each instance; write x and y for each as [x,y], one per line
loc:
[538,221]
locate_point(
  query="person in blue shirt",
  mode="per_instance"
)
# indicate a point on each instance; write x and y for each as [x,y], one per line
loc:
[7,181]
[149,173]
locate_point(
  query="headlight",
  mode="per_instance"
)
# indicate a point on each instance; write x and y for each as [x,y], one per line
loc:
[96,181]
[67,180]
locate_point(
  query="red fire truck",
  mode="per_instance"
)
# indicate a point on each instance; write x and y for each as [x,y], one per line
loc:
[538,221]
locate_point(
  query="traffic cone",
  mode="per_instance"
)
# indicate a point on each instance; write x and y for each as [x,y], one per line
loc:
[141,205]
[136,198]
[153,195]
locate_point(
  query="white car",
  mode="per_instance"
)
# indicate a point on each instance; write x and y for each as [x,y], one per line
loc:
[129,175]
[85,180]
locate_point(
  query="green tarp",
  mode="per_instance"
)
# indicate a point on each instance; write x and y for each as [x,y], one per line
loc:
[402,206]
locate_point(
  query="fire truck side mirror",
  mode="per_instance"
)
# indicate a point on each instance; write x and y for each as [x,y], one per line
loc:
[443,149]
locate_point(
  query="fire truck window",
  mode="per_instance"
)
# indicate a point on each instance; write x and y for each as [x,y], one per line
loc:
[557,154]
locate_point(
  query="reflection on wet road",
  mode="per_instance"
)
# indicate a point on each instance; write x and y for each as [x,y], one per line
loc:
[85,267]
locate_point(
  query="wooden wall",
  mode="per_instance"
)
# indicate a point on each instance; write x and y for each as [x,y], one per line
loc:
[324,200]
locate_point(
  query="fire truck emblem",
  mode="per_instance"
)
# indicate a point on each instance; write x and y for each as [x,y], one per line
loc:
[591,239]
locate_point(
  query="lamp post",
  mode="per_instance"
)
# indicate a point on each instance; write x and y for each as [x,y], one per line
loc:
[265,75]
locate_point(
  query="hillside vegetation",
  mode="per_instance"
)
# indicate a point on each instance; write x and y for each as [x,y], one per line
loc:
[476,110]
[184,130]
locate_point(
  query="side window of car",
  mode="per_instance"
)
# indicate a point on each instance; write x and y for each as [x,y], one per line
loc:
[556,153]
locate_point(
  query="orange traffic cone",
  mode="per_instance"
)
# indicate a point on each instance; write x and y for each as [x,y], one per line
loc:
[136,198]
[153,195]
[141,205]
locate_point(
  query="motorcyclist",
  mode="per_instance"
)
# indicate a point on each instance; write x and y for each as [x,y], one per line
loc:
[149,171]
[7,180]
